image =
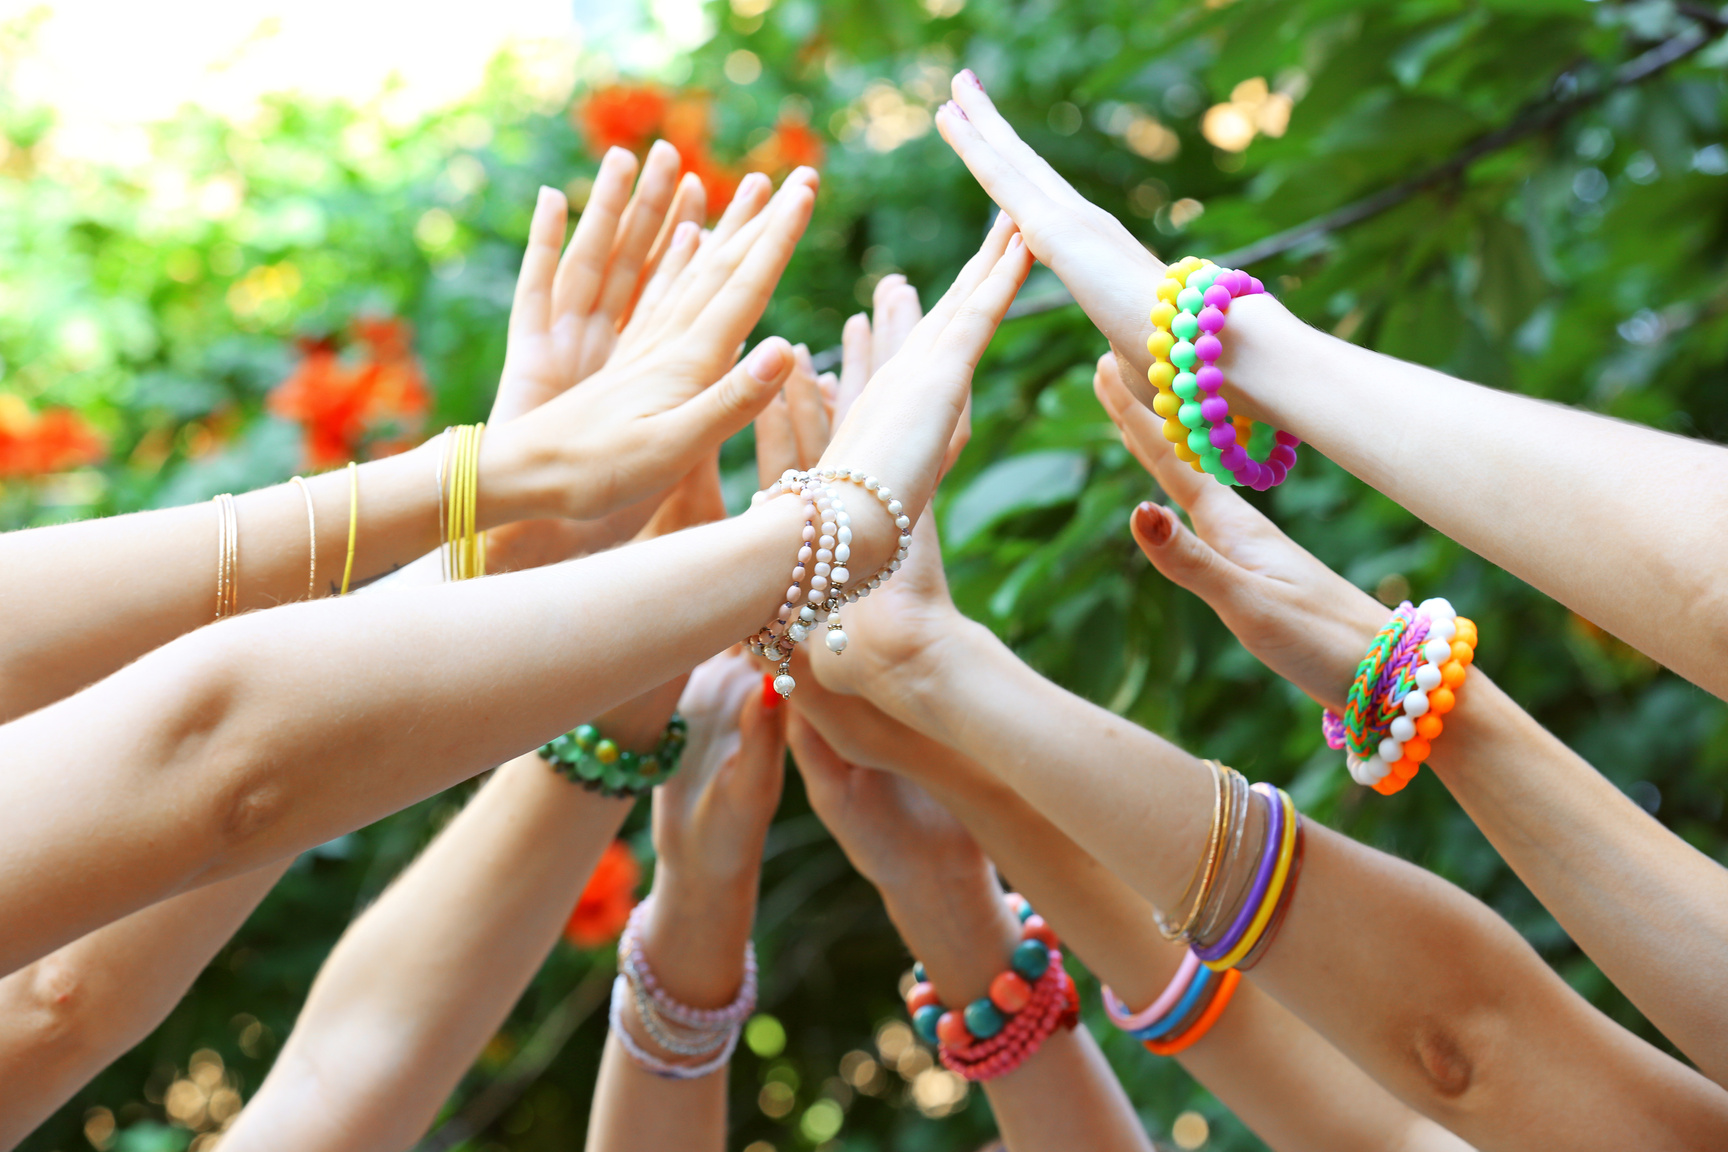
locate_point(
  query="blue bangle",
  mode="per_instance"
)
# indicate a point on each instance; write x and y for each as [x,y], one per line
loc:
[1175,1016]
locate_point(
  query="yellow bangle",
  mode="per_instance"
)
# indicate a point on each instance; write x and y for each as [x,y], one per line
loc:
[1286,850]
[459,494]
[353,522]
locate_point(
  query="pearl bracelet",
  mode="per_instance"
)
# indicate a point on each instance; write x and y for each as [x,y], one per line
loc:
[822,558]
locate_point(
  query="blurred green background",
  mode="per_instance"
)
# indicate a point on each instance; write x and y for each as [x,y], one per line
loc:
[148,311]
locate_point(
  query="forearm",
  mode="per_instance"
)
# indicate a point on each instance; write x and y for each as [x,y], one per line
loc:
[1612,876]
[88,598]
[1547,492]
[70,1014]
[233,736]
[1065,1095]
[426,976]
[694,940]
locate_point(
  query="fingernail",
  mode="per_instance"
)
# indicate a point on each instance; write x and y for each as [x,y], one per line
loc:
[766,363]
[544,196]
[955,110]
[971,78]
[1015,243]
[1152,523]
[770,698]
[685,232]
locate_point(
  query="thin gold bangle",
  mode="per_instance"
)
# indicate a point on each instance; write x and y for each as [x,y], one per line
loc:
[1205,869]
[353,522]
[311,537]
[221,555]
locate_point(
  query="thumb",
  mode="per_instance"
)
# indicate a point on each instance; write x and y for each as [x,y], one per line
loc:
[757,768]
[1185,560]
[724,408]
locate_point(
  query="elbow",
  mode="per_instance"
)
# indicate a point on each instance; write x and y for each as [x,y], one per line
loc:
[48,1005]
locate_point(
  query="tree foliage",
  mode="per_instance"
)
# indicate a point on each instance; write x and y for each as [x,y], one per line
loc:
[1583,263]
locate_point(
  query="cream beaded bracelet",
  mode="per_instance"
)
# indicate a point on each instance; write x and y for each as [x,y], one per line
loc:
[822,558]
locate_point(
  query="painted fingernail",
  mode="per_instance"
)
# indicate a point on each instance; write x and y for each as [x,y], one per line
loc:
[971,78]
[1015,243]
[1152,523]
[685,232]
[954,109]
[770,698]
[767,362]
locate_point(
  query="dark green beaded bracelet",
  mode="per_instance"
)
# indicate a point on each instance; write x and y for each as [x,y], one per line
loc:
[582,756]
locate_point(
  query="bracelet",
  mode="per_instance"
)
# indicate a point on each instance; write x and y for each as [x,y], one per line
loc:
[1409,679]
[1278,851]
[1159,1008]
[583,756]
[998,1032]
[1185,347]
[353,522]
[1227,985]
[311,536]
[1258,952]
[1207,870]
[679,1028]
[463,543]
[227,556]
[1220,909]
[822,559]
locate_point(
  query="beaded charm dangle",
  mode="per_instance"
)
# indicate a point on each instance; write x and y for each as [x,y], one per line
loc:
[821,582]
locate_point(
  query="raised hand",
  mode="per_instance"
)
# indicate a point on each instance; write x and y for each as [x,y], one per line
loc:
[666,397]
[1110,273]
[1306,622]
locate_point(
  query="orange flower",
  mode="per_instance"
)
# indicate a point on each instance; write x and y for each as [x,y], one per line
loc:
[606,902]
[793,144]
[622,115]
[344,406]
[34,444]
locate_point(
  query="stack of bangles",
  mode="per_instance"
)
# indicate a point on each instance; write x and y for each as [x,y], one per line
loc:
[1408,680]
[708,1033]
[1026,1004]
[821,582]
[1185,346]
[1235,902]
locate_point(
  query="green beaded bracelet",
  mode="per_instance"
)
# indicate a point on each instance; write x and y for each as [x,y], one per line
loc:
[582,756]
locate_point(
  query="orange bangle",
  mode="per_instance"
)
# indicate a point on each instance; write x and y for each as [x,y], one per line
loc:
[1220,1001]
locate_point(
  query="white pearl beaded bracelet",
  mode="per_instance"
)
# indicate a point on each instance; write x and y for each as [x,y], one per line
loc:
[822,560]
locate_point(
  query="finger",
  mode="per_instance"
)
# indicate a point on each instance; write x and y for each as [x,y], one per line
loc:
[701,277]
[957,442]
[1143,432]
[1185,560]
[881,305]
[531,309]
[751,197]
[755,773]
[689,205]
[974,322]
[642,222]
[925,333]
[1013,190]
[776,443]
[686,239]
[736,308]
[825,773]
[809,414]
[719,258]
[897,313]
[829,385]
[717,412]
[583,266]
[981,113]
[855,363]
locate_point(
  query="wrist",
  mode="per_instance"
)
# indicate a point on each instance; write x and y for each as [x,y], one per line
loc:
[696,933]
[1263,343]
[926,690]
[963,935]
[521,480]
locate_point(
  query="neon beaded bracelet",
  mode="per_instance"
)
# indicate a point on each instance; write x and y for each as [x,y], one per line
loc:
[1193,300]
[1408,680]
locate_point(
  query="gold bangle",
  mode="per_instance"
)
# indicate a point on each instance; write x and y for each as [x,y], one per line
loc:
[459,495]
[353,522]
[311,536]
[1206,869]
[227,556]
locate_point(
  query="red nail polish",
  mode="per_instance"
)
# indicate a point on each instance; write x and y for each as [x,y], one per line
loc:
[1153,523]
[971,78]
[770,698]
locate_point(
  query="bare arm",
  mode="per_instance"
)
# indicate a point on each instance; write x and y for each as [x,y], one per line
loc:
[70,1014]
[83,600]
[217,753]
[1260,1059]
[1613,877]
[943,896]
[709,827]
[1619,522]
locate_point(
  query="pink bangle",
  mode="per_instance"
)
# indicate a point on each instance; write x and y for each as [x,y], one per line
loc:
[1118,1011]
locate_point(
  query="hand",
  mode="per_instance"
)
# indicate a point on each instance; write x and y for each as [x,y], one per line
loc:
[904,420]
[1303,620]
[655,409]
[794,428]
[1110,273]
[565,318]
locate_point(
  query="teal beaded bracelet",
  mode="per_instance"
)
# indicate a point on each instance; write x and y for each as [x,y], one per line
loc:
[583,756]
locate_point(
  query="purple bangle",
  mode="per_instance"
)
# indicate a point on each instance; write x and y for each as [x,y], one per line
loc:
[1262,879]
[1250,473]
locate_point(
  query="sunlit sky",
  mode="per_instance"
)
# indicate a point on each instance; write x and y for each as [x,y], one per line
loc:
[108,66]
